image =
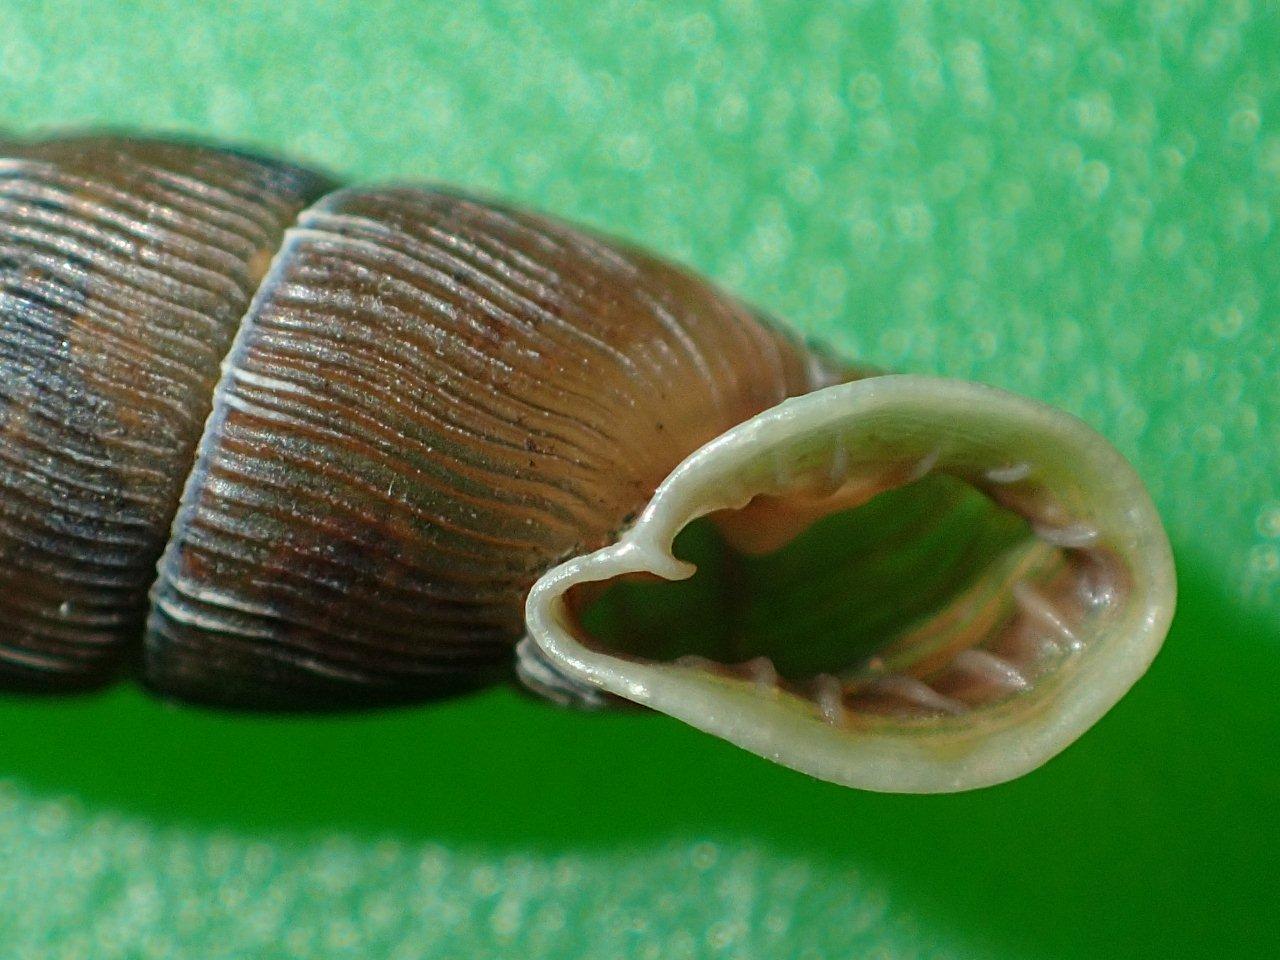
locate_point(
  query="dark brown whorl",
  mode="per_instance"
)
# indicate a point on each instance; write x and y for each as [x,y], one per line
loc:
[430,402]
[125,267]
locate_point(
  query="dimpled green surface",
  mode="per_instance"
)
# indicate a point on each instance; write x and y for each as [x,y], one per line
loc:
[1078,202]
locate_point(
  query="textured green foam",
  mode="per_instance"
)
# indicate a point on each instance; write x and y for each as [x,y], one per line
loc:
[1075,201]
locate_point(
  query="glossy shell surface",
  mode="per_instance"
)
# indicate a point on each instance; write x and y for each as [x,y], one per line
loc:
[126,268]
[426,401]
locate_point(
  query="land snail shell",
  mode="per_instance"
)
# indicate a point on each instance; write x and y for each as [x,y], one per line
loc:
[270,443]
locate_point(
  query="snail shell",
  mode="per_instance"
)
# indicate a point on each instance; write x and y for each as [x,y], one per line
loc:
[274,444]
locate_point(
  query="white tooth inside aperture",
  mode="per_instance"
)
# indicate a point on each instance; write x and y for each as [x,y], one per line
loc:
[1074,536]
[838,471]
[828,694]
[989,667]
[915,692]
[1038,607]
[762,672]
[924,465]
[1009,474]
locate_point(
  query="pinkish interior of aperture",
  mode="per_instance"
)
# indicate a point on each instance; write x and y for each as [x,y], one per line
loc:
[913,591]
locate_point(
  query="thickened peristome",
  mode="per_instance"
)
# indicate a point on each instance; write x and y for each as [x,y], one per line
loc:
[900,584]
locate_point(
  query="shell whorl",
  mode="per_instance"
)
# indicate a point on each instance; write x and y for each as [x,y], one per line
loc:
[429,401]
[125,269]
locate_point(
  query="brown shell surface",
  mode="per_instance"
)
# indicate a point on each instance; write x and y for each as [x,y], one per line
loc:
[125,267]
[432,401]
[429,401]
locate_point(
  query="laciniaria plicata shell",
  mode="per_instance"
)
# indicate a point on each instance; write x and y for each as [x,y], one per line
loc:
[382,444]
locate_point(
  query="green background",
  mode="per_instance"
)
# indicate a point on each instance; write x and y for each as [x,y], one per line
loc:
[1075,201]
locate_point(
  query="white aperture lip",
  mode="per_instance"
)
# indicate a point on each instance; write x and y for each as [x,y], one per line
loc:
[1086,500]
